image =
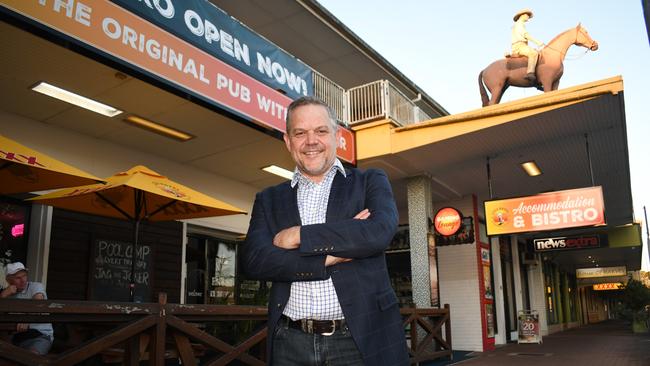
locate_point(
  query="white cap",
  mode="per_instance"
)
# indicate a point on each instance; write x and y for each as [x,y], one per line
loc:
[13,268]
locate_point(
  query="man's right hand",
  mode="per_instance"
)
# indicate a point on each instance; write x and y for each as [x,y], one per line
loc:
[10,290]
[331,260]
[364,214]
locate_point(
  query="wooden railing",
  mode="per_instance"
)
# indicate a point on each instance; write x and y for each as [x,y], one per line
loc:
[133,332]
[429,322]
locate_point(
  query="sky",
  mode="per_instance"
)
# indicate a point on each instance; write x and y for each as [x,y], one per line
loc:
[443,45]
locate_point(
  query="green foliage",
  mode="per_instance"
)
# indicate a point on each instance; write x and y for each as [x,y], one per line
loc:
[636,301]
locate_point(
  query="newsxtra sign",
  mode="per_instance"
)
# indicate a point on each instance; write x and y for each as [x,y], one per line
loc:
[567,243]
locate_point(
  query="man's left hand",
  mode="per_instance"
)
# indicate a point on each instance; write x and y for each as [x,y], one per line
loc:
[288,238]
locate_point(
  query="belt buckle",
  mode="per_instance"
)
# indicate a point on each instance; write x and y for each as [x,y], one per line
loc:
[333,329]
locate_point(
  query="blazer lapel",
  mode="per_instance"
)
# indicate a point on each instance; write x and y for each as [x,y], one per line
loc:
[336,198]
[294,213]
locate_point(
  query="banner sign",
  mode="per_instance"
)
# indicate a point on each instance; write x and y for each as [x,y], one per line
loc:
[447,221]
[607,286]
[113,30]
[209,28]
[567,243]
[529,327]
[546,211]
[601,272]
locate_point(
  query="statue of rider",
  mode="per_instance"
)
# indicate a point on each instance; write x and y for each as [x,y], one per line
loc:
[520,38]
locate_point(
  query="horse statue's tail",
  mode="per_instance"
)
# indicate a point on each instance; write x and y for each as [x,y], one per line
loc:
[484,97]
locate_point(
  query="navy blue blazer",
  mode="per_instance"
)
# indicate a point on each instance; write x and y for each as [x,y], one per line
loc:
[363,287]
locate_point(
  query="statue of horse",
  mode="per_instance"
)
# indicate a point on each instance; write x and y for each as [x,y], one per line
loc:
[501,74]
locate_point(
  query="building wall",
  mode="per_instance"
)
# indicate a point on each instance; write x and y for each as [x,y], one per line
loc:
[70,253]
[458,274]
[459,286]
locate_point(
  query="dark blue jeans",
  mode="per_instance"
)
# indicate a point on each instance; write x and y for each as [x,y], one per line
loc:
[293,347]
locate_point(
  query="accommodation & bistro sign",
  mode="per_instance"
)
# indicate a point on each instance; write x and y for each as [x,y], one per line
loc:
[546,211]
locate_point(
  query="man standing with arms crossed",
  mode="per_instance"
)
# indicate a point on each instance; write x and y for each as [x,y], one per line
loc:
[321,239]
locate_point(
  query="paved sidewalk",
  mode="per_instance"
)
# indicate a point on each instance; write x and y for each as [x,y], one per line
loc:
[610,343]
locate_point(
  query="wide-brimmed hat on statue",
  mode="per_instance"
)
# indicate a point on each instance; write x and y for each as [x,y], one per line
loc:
[522,12]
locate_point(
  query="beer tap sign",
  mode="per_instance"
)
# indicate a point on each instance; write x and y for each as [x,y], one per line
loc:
[447,221]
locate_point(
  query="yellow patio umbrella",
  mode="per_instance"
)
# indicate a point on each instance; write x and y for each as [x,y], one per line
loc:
[25,170]
[138,194]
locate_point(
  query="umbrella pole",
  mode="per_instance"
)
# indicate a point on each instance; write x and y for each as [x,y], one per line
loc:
[139,201]
[134,258]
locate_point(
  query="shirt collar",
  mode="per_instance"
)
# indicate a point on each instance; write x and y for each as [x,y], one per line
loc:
[298,176]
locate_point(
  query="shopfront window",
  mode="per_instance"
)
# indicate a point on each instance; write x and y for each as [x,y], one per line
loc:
[14,221]
[211,269]
[550,293]
[508,285]
[572,299]
[223,276]
[482,232]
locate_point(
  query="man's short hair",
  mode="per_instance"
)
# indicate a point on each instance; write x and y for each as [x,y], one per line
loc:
[310,100]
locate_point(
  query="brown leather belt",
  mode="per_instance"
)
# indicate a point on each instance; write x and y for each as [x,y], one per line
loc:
[312,326]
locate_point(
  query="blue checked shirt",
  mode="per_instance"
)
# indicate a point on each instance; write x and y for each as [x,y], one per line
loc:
[314,299]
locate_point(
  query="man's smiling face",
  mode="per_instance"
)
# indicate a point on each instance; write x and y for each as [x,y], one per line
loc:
[312,140]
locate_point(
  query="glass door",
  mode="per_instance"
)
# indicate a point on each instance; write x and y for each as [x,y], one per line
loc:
[211,268]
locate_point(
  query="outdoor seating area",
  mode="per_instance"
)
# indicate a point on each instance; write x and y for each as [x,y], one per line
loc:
[128,333]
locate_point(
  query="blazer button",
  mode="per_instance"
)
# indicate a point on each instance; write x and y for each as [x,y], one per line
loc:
[279,305]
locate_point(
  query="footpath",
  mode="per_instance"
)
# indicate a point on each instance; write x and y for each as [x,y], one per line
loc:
[609,343]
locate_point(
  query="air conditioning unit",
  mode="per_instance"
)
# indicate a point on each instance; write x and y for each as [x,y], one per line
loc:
[529,258]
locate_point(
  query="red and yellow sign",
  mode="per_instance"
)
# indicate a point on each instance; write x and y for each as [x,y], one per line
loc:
[546,211]
[121,34]
[447,221]
[608,286]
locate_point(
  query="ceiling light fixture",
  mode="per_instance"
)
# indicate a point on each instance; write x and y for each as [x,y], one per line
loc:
[274,169]
[76,99]
[531,168]
[158,128]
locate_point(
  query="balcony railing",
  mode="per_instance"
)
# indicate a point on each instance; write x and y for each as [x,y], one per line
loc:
[382,100]
[332,94]
[127,333]
[369,102]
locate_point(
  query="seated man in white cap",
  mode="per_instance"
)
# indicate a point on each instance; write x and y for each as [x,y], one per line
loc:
[520,38]
[35,337]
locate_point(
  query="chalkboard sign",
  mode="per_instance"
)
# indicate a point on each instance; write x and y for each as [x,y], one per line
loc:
[110,271]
